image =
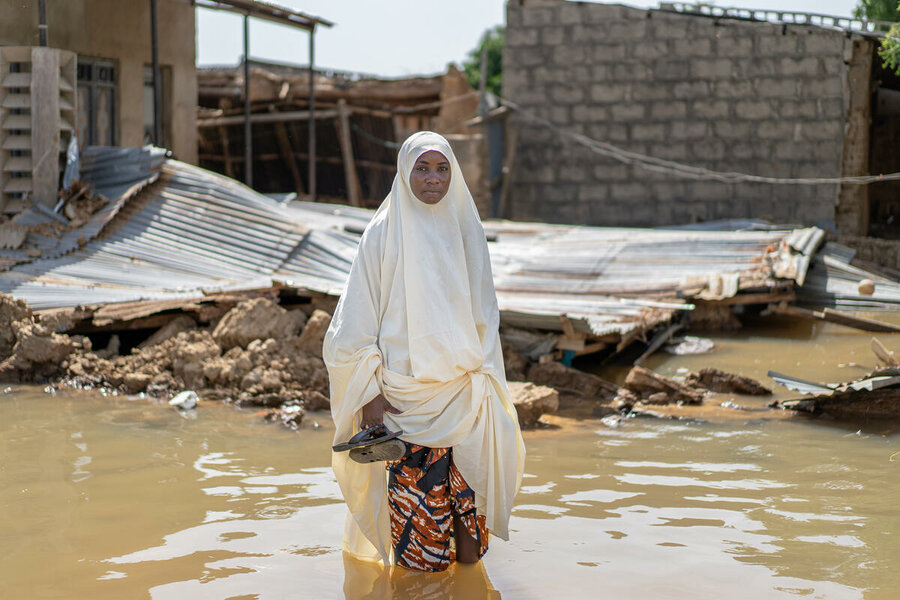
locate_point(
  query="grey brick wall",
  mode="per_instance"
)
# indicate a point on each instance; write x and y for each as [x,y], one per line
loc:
[723,94]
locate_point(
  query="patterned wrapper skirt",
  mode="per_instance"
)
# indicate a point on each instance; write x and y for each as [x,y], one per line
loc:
[425,492]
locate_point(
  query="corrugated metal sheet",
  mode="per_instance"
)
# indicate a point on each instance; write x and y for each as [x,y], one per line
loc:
[833,282]
[192,232]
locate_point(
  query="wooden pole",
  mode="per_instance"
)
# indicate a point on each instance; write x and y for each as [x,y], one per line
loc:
[42,22]
[157,79]
[248,132]
[287,153]
[350,175]
[223,134]
[312,115]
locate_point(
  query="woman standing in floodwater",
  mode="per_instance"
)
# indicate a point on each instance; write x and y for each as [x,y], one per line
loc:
[414,343]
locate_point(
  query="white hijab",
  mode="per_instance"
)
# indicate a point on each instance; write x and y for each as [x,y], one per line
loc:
[419,323]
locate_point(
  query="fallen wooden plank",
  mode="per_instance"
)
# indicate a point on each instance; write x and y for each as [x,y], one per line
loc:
[838,317]
[883,354]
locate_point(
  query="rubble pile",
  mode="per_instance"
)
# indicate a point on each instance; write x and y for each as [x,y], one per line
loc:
[258,354]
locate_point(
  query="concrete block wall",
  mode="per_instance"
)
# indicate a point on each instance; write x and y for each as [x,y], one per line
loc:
[722,94]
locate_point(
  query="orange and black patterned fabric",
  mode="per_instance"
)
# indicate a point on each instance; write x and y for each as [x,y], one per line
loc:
[425,492]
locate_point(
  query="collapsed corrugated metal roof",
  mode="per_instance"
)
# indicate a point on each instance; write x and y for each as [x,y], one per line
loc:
[834,281]
[177,231]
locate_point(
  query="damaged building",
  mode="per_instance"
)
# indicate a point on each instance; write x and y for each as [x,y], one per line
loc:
[765,93]
[359,122]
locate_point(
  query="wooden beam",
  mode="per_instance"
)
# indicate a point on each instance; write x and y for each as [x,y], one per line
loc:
[344,138]
[279,117]
[834,316]
[284,144]
[223,134]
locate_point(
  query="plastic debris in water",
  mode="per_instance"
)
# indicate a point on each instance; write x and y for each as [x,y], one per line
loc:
[185,400]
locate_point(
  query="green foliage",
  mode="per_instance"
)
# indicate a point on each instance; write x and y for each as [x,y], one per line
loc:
[877,10]
[884,10]
[890,49]
[493,41]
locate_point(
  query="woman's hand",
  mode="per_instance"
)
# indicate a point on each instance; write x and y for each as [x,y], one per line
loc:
[373,412]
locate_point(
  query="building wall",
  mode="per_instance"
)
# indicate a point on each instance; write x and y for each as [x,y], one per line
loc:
[119,30]
[722,94]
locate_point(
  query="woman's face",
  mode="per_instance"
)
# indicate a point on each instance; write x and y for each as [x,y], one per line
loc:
[430,177]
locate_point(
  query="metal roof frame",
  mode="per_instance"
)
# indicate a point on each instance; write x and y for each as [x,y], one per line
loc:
[267,12]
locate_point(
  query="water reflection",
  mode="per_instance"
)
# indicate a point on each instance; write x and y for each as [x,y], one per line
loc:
[224,506]
[370,581]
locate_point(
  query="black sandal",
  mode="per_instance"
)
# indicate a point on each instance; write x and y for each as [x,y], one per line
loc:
[373,444]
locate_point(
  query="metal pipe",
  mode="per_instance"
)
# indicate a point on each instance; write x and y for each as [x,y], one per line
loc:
[248,137]
[312,116]
[157,78]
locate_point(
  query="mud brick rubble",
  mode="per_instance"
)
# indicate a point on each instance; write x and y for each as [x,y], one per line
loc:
[260,354]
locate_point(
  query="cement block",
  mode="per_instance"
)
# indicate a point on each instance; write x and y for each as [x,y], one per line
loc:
[778,44]
[538,15]
[756,66]
[672,70]
[551,36]
[632,71]
[709,149]
[629,30]
[650,91]
[608,53]
[754,110]
[568,55]
[779,130]
[627,112]
[710,109]
[653,50]
[823,42]
[668,110]
[667,29]
[648,132]
[560,115]
[688,130]
[692,47]
[589,113]
[619,133]
[567,94]
[798,109]
[609,92]
[776,87]
[712,68]
[614,171]
[807,66]
[825,87]
[691,89]
[732,130]
[519,36]
[668,151]
[629,192]
[823,130]
[734,46]
[732,89]
[571,14]
[597,73]
[593,192]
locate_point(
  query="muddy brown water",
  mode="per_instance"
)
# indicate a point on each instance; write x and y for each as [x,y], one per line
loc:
[117,497]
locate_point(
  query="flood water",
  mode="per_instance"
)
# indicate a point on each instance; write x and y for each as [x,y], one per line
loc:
[116,497]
